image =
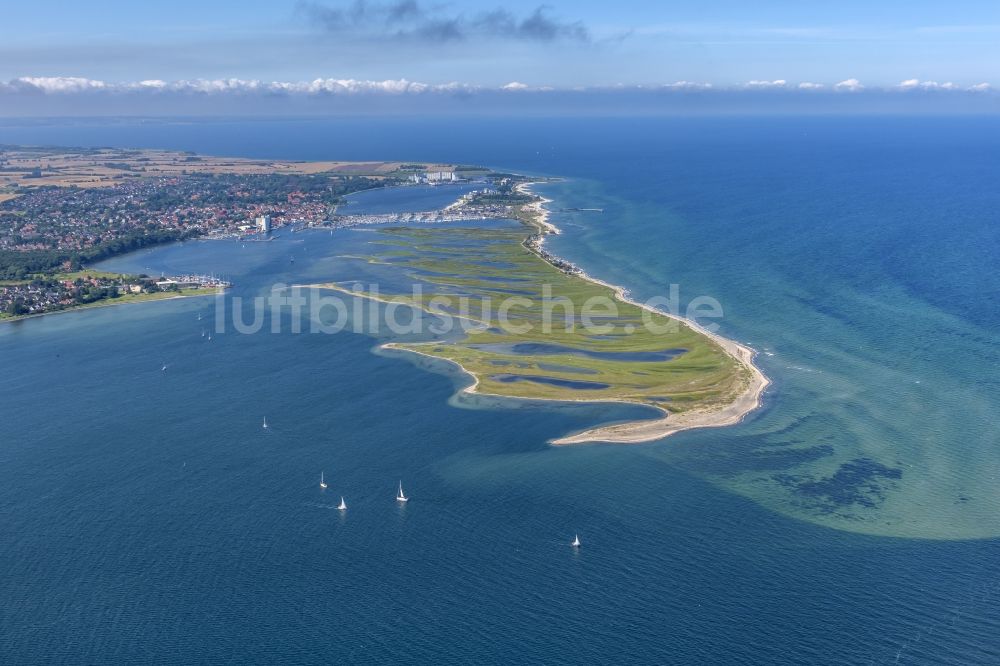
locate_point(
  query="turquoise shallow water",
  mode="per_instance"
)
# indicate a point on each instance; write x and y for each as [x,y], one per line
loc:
[861,270]
[146,515]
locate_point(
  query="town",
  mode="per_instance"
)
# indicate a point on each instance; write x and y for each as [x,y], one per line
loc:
[63,210]
[43,229]
[61,292]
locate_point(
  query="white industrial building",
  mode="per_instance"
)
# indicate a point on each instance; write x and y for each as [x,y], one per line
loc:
[441,176]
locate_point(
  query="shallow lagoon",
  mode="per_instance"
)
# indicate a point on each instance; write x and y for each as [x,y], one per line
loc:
[541,349]
[554,381]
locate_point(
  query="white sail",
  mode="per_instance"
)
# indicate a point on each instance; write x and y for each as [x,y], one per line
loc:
[322,481]
[343,505]
[576,541]
[400,496]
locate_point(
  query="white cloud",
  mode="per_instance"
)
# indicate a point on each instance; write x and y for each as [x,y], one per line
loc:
[916,84]
[213,86]
[686,85]
[850,85]
[71,85]
[58,84]
[354,87]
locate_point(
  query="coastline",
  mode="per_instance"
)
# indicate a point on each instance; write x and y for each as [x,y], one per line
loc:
[646,431]
[540,214]
[632,432]
[102,304]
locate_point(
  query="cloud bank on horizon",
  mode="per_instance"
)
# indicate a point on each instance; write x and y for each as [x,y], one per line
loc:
[60,96]
[117,57]
[331,86]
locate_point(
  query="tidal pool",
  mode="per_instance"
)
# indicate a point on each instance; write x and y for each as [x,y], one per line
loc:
[554,381]
[546,349]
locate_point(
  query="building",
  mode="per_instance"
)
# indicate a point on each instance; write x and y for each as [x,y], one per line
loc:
[264,223]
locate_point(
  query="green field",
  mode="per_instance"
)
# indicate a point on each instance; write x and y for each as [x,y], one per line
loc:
[68,276]
[487,266]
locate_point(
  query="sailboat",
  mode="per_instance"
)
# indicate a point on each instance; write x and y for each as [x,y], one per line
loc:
[322,481]
[400,497]
[343,505]
[265,423]
[576,541]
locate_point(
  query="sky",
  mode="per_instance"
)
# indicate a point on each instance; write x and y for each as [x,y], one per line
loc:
[102,56]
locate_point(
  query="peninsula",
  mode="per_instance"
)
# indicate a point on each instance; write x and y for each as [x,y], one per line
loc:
[561,335]
[624,353]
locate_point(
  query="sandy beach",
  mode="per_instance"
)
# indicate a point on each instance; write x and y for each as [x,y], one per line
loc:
[645,431]
[537,208]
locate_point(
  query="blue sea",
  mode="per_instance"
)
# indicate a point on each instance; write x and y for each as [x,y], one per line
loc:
[147,517]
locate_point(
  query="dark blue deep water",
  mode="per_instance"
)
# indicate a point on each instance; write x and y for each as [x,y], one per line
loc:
[145,515]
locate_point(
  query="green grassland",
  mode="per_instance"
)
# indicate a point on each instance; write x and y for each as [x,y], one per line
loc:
[486,266]
[66,276]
